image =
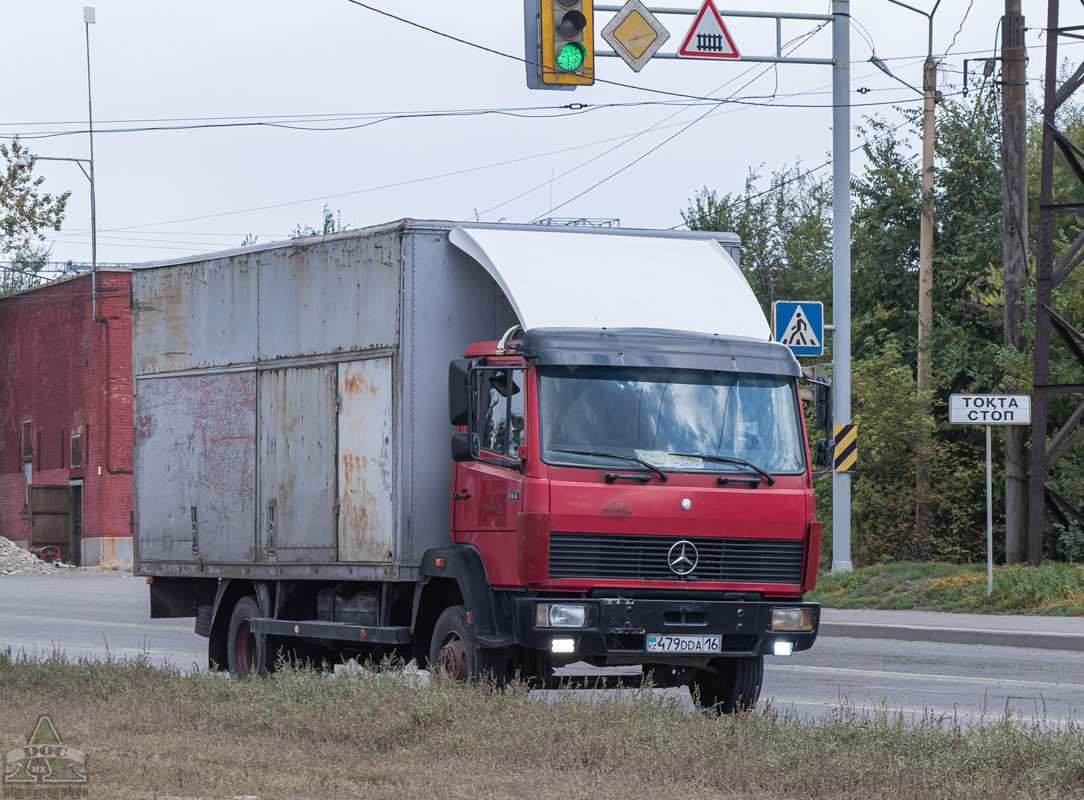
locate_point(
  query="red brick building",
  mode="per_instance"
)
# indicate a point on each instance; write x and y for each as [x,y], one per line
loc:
[66,416]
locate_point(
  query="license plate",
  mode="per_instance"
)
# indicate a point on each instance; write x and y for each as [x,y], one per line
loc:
[666,643]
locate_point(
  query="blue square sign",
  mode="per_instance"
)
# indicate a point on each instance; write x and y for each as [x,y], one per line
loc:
[800,326]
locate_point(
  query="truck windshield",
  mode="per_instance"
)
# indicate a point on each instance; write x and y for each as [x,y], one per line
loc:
[681,420]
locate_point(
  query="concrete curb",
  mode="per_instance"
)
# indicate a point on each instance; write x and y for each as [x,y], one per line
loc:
[995,638]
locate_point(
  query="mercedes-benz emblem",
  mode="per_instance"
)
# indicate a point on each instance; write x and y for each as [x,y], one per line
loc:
[682,557]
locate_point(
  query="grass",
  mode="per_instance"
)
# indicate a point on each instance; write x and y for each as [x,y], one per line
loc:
[156,733]
[1052,589]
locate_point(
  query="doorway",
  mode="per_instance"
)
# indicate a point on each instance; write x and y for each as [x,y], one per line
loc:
[75,516]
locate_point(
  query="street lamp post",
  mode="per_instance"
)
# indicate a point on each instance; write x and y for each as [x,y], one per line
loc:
[88,20]
[27,160]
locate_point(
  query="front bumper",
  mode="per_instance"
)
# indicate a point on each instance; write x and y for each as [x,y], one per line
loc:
[618,627]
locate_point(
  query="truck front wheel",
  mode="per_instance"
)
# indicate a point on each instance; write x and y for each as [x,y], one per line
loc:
[454,651]
[729,684]
[245,650]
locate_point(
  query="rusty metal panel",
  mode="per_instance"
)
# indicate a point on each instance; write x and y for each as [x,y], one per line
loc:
[330,296]
[297,464]
[195,316]
[366,462]
[195,467]
[49,506]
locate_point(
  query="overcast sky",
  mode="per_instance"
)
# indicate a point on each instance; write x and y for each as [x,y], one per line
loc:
[196,175]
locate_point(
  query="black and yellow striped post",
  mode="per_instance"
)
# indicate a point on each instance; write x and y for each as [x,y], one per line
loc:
[846,447]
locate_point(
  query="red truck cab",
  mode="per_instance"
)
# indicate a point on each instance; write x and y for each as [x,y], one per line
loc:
[638,497]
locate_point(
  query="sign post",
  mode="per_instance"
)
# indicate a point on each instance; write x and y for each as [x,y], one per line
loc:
[989,410]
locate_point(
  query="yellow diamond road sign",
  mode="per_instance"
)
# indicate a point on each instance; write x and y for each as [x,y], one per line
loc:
[635,34]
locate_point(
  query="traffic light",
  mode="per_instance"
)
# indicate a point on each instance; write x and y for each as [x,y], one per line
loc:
[560,43]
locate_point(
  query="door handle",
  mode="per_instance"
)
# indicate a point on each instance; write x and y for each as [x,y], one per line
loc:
[461,495]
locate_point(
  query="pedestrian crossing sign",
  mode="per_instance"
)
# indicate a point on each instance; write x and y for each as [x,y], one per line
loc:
[800,326]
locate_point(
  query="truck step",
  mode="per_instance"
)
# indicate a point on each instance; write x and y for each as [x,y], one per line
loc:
[339,631]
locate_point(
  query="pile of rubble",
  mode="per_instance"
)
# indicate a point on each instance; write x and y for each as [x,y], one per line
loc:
[16,561]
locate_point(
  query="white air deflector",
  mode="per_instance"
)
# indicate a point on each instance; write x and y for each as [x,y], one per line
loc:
[582,280]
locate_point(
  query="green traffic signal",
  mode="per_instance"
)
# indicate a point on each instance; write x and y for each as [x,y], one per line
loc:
[571,56]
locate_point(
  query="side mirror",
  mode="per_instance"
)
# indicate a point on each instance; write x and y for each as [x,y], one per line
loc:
[822,406]
[459,391]
[822,455]
[465,446]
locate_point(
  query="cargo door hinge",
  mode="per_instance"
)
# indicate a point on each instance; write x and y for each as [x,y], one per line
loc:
[271,530]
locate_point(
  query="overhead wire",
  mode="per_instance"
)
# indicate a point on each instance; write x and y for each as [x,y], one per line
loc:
[714,102]
[502,54]
[454,173]
[799,42]
[960,29]
[70,235]
[746,198]
[720,101]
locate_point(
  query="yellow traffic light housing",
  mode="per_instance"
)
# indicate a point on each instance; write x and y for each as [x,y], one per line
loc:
[564,52]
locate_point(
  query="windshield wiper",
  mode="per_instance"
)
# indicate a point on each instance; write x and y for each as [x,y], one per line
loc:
[602,454]
[729,460]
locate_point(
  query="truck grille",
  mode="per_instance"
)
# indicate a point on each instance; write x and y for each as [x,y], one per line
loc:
[602,555]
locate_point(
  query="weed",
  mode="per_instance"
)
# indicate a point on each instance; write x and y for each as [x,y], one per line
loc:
[1052,589]
[371,733]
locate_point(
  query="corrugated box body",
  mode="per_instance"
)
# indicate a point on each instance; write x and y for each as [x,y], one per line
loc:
[291,403]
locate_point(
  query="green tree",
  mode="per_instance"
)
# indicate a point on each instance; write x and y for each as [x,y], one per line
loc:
[785,231]
[25,214]
[333,223]
[792,217]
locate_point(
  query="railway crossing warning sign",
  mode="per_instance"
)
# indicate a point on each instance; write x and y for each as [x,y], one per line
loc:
[800,326]
[708,37]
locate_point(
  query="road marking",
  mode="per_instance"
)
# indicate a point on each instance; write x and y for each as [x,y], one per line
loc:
[925,676]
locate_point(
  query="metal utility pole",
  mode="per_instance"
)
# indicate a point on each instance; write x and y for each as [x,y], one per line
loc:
[1014,238]
[1048,275]
[841,270]
[923,481]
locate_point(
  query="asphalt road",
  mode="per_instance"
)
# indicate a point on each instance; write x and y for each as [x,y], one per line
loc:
[88,615]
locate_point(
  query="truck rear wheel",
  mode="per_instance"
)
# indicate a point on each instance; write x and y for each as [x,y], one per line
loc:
[455,652]
[729,684]
[246,652]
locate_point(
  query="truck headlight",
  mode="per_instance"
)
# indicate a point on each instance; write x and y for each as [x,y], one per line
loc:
[560,616]
[563,646]
[792,619]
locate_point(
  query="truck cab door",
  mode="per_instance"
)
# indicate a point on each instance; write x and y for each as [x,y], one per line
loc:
[487,497]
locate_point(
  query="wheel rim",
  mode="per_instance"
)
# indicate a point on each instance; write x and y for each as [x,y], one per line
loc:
[453,658]
[246,649]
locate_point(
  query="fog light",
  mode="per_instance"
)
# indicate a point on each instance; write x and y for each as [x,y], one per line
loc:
[563,646]
[560,616]
[782,648]
[792,619]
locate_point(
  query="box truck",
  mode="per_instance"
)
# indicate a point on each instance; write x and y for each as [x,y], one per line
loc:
[496,449]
